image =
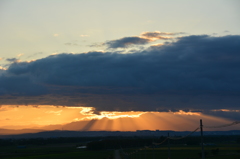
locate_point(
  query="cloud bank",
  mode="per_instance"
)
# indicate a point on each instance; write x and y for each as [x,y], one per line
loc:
[192,73]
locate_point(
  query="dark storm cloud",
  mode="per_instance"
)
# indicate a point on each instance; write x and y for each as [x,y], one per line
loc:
[19,85]
[192,73]
[233,115]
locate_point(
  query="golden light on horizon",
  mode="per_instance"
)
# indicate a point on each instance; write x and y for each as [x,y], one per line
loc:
[50,117]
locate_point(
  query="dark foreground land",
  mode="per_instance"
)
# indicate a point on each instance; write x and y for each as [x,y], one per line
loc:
[217,147]
[187,152]
[61,151]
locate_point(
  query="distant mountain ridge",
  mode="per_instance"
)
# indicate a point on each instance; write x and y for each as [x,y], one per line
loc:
[20,131]
[64,133]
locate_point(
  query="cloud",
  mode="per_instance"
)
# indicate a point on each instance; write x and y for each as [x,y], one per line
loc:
[71,44]
[228,114]
[19,55]
[54,112]
[126,42]
[2,68]
[144,38]
[12,59]
[96,45]
[19,85]
[158,34]
[194,72]
[84,35]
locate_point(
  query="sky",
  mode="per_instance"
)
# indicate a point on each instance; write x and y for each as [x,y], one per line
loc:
[119,65]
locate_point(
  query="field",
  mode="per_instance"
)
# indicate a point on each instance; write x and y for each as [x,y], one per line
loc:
[184,152]
[60,151]
[218,147]
[65,151]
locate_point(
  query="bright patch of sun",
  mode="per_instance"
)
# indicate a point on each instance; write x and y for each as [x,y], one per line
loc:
[115,115]
[187,113]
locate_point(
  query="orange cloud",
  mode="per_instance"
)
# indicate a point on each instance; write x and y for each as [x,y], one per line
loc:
[187,113]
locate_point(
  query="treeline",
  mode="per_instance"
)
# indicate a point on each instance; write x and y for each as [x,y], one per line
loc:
[99,143]
[45,141]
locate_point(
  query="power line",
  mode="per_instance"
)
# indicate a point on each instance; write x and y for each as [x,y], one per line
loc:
[225,125]
[160,142]
[178,138]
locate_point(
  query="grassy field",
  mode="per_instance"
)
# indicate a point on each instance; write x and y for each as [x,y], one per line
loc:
[62,151]
[185,152]
[66,151]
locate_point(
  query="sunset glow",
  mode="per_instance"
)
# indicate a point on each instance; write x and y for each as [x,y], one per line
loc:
[119,65]
[83,118]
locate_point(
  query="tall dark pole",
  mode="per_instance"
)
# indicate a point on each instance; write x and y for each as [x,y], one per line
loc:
[201,127]
[145,151]
[169,154]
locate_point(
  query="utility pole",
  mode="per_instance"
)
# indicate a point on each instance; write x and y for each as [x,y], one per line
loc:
[145,150]
[169,154]
[201,128]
